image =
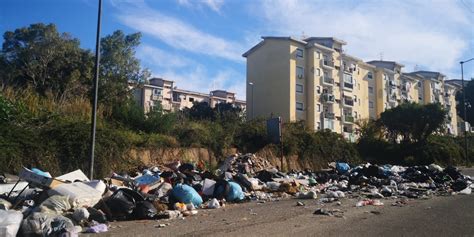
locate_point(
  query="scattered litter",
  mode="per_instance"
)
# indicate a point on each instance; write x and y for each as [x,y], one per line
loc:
[36,203]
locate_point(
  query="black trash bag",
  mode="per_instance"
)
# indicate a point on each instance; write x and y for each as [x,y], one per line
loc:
[96,215]
[459,185]
[186,168]
[264,176]
[453,172]
[122,203]
[144,210]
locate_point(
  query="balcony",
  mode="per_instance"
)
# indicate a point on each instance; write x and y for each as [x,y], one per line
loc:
[392,84]
[349,136]
[328,81]
[348,86]
[329,115]
[328,63]
[348,102]
[328,98]
[348,119]
[157,97]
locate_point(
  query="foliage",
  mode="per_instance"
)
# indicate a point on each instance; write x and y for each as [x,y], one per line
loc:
[41,57]
[413,122]
[469,87]
[119,67]
[251,136]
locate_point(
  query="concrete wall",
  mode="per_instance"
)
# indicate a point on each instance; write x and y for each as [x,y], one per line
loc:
[268,68]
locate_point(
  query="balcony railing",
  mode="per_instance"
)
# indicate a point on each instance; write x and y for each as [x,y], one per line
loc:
[348,102]
[157,97]
[327,62]
[329,115]
[328,80]
[348,119]
[328,98]
[348,86]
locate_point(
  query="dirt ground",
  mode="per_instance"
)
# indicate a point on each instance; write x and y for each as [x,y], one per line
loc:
[437,216]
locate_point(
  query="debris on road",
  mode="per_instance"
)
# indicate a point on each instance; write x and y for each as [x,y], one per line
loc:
[71,203]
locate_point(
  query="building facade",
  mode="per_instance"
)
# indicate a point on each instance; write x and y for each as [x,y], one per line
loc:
[163,92]
[316,81]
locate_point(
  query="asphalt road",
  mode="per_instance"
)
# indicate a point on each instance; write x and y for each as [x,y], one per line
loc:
[438,216]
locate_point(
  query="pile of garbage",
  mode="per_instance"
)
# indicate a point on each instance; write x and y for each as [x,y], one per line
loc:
[35,203]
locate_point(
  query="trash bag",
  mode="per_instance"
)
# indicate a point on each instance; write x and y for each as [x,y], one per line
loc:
[37,224]
[56,204]
[96,215]
[144,210]
[186,194]
[10,222]
[122,203]
[342,167]
[235,193]
[45,224]
[459,185]
[81,215]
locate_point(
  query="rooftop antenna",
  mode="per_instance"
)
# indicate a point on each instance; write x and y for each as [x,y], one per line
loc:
[381,56]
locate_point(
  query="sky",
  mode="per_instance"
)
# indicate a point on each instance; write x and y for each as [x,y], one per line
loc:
[199,43]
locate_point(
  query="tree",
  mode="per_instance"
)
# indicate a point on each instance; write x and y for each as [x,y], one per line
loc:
[119,68]
[413,122]
[469,102]
[41,57]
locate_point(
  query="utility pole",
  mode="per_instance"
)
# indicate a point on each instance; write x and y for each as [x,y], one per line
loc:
[95,90]
[464,106]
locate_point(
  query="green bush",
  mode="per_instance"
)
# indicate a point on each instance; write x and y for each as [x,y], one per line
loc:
[251,136]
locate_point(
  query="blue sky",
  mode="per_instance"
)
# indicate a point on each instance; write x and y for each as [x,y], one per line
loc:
[199,43]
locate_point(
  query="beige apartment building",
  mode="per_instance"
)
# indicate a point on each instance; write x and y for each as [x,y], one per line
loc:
[165,93]
[316,81]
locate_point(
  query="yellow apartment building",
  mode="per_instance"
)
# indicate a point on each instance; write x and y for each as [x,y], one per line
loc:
[163,92]
[316,81]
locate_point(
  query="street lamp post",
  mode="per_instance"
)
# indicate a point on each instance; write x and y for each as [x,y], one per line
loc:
[464,104]
[251,92]
[95,90]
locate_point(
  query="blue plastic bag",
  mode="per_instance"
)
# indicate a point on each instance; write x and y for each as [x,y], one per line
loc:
[342,168]
[235,192]
[186,194]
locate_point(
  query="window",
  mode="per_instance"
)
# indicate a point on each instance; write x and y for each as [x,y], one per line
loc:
[299,72]
[419,84]
[299,106]
[191,99]
[318,108]
[319,125]
[371,104]
[299,53]
[371,90]
[355,114]
[299,88]
[317,72]
[318,55]
[347,78]
[318,89]
[157,91]
[370,75]
[419,98]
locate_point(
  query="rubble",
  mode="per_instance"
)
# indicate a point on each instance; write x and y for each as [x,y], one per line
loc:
[68,204]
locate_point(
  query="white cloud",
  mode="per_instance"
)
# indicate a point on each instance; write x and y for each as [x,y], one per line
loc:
[189,74]
[214,5]
[433,34]
[181,35]
[159,58]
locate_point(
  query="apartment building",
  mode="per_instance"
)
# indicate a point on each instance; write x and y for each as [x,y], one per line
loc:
[316,81]
[165,93]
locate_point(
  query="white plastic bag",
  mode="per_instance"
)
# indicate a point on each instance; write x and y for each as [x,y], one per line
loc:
[10,222]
